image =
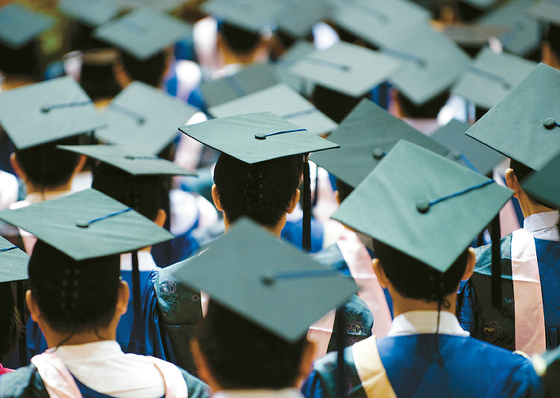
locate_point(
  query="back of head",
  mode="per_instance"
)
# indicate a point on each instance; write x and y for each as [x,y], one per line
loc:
[343,189]
[261,191]
[416,280]
[149,71]
[98,81]
[241,355]
[332,103]
[553,38]
[521,171]
[145,194]
[10,322]
[239,40]
[74,296]
[24,61]
[428,110]
[46,166]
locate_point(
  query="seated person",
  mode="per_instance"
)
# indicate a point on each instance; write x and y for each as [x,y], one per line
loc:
[422,255]
[77,305]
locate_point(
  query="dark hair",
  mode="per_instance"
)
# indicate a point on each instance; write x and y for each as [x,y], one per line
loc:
[553,38]
[149,71]
[46,166]
[10,321]
[81,38]
[143,193]
[333,103]
[239,40]
[74,296]
[98,81]
[241,355]
[343,189]
[285,38]
[415,279]
[428,110]
[261,191]
[521,171]
[24,61]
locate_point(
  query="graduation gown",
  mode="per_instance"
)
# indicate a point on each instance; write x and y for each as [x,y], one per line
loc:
[529,319]
[425,365]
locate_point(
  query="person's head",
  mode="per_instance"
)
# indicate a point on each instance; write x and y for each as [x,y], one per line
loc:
[46,167]
[515,175]
[414,279]
[68,297]
[144,193]
[263,191]
[551,47]
[10,321]
[332,103]
[238,40]
[97,73]
[25,61]
[149,71]
[342,190]
[428,110]
[233,353]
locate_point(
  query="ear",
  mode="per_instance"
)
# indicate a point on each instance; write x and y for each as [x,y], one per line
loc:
[471,262]
[512,182]
[202,368]
[337,197]
[32,306]
[17,167]
[216,198]
[305,362]
[380,272]
[122,299]
[121,76]
[79,165]
[161,217]
[294,201]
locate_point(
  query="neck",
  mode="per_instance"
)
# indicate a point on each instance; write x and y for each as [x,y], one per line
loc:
[15,81]
[32,188]
[276,230]
[403,304]
[530,207]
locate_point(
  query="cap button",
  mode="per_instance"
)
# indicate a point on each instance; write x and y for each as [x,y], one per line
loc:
[141,121]
[268,279]
[378,153]
[260,136]
[82,224]
[549,123]
[423,206]
[130,157]
[456,155]
[45,109]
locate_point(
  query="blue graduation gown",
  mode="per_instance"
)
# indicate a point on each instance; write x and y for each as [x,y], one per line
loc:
[430,365]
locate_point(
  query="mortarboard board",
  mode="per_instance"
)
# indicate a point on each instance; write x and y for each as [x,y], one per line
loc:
[129,160]
[377,21]
[250,15]
[481,4]
[163,5]
[464,150]
[144,118]
[423,205]
[92,13]
[365,136]
[346,68]
[47,111]
[248,80]
[297,51]
[13,262]
[19,25]
[491,77]
[548,11]
[298,17]
[282,101]
[545,184]
[547,366]
[523,34]
[272,275]
[524,125]
[432,63]
[87,224]
[473,35]
[143,32]
[256,137]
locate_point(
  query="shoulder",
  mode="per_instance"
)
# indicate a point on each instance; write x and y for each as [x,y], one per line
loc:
[23,382]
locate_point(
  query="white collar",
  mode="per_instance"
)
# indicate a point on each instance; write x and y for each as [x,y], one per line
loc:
[543,225]
[425,322]
[283,393]
[99,349]
[145,261]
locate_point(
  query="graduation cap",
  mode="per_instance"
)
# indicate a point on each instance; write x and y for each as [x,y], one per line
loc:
[377,21]
[248,80]
[425,206]
[143,32]
[272,274]
[545,184]
[258,137]
[491,77]
[87,224]
[366,135]
[143,118]
[91,13]
[250,15]
[524,125]
[129,160]
[298,50]
[346,68]
[547,11]
[466,151]
[473,35]
[282,101]
[163,5]
[523,35]
[297,18]
[46,112]
[19,25]
[432,63]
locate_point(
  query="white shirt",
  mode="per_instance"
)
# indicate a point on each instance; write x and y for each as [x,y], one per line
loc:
[425,322]
[103,367]
[145,261]
[543,225]
[284,393]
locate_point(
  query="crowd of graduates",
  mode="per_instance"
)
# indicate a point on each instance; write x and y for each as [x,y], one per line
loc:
[280,198]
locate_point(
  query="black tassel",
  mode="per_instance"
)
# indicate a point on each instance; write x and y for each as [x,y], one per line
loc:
[496,264]
[306,238]
[340,328]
